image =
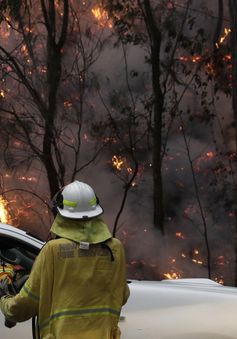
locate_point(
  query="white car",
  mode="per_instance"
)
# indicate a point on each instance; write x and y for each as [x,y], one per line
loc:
[168,309]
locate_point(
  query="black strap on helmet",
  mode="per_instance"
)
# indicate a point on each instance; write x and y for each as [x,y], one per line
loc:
[59,199]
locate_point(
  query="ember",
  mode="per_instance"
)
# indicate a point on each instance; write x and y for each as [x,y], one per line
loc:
[179,235]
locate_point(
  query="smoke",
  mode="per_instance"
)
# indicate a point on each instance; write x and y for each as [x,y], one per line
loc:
[150,254]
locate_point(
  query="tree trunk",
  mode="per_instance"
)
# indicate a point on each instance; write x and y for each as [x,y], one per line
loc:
[53,164]
[158,99]
[233,36]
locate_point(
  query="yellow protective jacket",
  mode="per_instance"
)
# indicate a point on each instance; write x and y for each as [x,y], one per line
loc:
[75,292]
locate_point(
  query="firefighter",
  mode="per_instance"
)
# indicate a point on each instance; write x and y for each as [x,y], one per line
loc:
[77,285]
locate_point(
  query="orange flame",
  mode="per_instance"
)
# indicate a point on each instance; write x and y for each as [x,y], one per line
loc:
[210,155]
[199,262]
[179,235]
[224,36]
[4,214]
[102,17]
[172,275]
[193,59]
[117,162]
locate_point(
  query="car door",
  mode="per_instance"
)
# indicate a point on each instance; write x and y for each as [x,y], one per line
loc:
[18,249]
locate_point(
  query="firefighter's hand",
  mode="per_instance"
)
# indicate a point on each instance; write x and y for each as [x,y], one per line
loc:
[9,324]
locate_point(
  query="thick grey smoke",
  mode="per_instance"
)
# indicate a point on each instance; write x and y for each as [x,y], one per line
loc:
[182,250]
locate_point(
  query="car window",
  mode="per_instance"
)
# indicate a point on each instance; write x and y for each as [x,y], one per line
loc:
[16,252]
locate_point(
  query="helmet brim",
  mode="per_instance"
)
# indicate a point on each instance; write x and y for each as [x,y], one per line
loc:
[81,215]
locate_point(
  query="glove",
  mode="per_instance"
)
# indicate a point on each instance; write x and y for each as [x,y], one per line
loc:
[9,324]
[6,288]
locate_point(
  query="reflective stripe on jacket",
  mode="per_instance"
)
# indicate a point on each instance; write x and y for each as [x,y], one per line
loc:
[76,293]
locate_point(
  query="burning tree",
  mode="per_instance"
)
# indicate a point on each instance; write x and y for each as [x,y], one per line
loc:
[46,51]
[21,67]
[182,61]
[163,31]
[59,112]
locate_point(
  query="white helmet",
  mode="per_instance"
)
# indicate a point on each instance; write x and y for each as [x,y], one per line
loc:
[78,201]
